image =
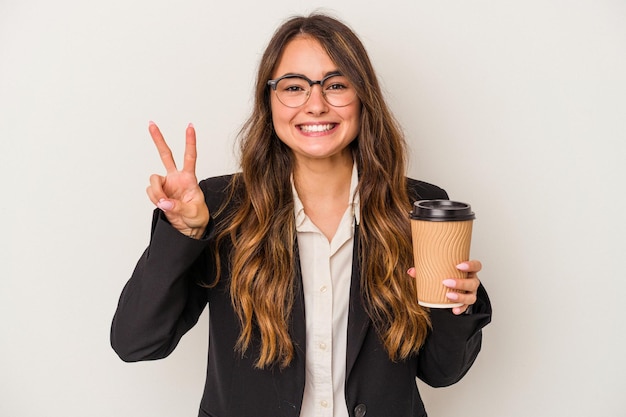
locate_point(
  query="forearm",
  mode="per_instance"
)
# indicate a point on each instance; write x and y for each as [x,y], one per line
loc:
[453,344]
[161,301]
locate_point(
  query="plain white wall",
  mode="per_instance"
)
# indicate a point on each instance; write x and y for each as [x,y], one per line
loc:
[517,107]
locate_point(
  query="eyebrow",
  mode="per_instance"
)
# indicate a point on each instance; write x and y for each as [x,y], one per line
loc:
[296,74]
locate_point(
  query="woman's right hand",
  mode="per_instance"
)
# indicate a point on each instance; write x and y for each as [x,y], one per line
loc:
[177,193]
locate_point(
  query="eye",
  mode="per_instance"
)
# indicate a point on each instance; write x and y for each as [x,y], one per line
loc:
[337,84]
[292,85]
[293,88]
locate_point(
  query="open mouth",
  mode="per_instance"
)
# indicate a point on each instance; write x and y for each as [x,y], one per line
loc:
[317,128]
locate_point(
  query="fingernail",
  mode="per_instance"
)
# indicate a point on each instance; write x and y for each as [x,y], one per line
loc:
[452,296]
[456,310]
[449,283]
[165,205]
[462,266]
[150,123]
[190,125]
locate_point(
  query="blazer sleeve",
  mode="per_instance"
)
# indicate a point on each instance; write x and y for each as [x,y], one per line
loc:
[162,300]
[453,343]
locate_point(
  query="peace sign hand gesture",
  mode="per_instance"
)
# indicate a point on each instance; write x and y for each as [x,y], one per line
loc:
[177,193]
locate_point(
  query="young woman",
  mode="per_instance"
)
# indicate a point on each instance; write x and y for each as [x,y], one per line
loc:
[304,257]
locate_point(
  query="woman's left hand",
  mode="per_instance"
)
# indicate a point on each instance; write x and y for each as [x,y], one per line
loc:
[466,288]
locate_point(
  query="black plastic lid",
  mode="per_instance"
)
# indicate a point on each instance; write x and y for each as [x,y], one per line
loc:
[441,211]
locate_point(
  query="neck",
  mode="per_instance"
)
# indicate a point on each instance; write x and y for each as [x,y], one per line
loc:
[323,179]
[324,190]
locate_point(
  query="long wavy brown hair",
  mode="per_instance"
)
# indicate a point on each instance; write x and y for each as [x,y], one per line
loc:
[262,226]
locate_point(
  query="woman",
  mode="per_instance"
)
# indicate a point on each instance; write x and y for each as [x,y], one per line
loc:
[302,257]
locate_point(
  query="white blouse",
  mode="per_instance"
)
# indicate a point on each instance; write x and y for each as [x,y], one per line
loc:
[326,273]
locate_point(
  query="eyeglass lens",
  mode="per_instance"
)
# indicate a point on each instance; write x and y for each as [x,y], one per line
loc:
[295,91]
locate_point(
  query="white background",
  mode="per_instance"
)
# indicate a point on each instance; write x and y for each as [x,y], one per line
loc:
[517,107]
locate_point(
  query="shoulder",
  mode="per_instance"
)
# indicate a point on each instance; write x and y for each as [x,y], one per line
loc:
[420,190]
[218,184]
[218,190]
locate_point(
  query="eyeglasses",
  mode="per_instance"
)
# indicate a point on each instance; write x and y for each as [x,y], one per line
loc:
[293,90]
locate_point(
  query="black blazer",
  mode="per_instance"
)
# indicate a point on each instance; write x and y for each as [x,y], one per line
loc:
[162,301]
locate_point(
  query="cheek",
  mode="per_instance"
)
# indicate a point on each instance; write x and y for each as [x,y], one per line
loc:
[354,116]
[280,121]
[281,115]
[353,111]
[275,112]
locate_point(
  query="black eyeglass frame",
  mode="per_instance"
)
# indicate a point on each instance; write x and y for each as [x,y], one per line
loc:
[274,83]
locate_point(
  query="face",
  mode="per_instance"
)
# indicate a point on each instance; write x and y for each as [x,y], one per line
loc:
[316,130]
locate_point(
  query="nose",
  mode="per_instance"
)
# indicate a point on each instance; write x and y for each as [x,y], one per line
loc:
[316,103]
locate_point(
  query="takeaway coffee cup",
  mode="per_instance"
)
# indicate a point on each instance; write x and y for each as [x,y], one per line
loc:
[442,231]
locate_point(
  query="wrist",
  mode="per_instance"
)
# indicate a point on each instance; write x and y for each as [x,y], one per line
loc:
[195,233]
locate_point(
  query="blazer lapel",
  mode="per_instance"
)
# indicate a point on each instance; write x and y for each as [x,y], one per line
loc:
[290,380]
[358,319]
[298,322]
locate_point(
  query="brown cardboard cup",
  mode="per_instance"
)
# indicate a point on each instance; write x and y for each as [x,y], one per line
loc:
[442,232]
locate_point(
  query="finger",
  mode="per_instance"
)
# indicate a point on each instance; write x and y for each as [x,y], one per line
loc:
[164,151]
[151,196]
[470,266]
[162,203]
[166,205]
[155,190]
[467,298]
[459,310]
[191,154]
[462,284]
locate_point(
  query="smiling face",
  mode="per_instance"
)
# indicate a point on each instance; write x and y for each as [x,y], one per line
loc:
[316,130]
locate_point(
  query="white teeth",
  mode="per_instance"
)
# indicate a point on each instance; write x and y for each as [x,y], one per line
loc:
[316,128]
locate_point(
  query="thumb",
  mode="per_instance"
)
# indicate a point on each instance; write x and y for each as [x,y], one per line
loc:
[165,204]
